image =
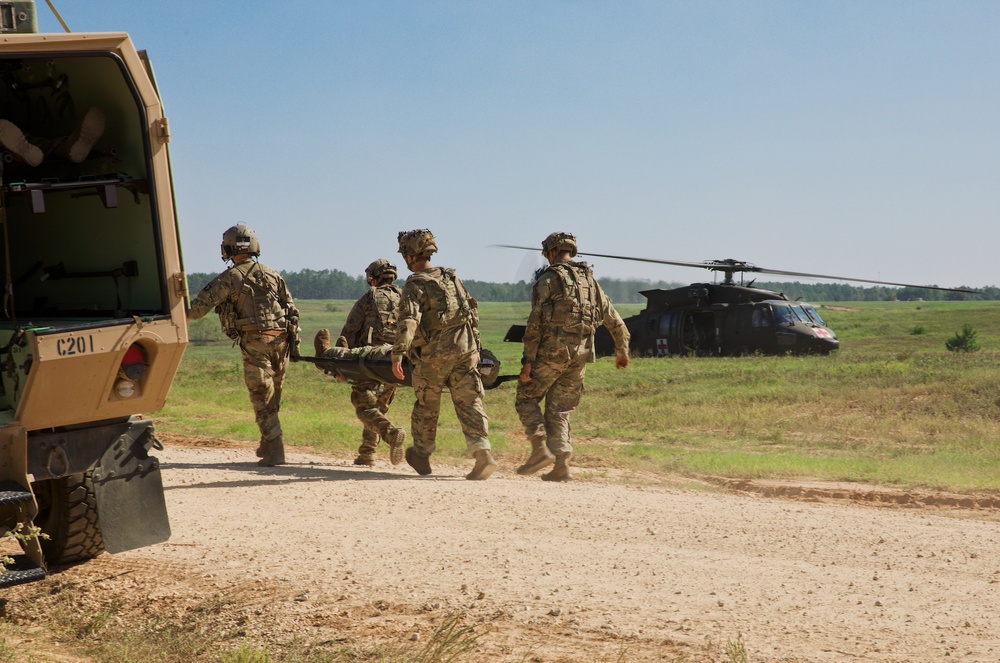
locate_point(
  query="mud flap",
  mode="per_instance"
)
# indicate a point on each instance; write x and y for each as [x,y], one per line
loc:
[128,489]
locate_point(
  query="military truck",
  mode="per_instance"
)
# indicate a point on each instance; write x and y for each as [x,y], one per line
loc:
[92,323]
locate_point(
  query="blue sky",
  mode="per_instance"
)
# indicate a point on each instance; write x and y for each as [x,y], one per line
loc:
[848,138]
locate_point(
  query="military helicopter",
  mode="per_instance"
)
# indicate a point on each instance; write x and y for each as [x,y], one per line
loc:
[723,319]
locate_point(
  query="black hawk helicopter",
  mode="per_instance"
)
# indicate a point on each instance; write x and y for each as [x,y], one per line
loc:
[723,319]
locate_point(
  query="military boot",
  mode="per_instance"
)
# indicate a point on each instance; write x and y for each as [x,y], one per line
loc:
[395,438]
[540,457]
[561,471]
[321,343]
[365,459]
[484,466]
[17,143]
[419,462]
[274,454]
[261,449]
[78,146]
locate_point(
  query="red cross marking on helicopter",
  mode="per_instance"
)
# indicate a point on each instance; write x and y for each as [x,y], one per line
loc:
[661,347]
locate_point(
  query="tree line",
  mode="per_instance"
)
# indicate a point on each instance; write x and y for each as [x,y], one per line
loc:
[335,284]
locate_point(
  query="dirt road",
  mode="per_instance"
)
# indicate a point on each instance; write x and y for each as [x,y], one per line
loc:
[323,551]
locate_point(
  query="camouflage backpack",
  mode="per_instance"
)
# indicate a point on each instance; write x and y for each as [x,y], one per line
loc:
[449,303]
[258,306]
[386,301]
[577,311]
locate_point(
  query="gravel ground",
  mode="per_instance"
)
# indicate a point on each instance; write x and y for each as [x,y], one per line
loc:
[593,570]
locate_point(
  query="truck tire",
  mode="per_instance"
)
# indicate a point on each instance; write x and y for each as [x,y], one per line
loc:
[67,513]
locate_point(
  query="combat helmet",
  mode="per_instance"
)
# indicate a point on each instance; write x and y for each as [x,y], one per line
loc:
[239,239]
[561,241]
[379,268]
[417,243]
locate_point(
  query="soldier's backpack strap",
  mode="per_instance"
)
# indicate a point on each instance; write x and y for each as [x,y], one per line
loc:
[588,296]
[228,310]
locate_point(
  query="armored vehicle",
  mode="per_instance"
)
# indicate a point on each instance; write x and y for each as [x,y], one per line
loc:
[92,326]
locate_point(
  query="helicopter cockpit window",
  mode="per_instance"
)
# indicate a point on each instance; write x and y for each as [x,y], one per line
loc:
[813,314]
[783,315]
[801,315]
[761,317]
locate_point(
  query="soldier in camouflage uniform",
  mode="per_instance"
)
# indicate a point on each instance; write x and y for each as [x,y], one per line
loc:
[372,322]
[567,305]
[255,310]
[438,329]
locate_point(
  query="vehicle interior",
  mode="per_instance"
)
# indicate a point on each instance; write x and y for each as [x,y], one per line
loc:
[78,239]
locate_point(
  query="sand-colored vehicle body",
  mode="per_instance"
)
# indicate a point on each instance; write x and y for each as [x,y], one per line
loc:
[92,323]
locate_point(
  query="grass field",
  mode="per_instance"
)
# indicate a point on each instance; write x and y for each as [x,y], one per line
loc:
[893,406]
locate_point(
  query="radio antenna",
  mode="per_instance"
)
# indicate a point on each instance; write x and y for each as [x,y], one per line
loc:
[58,17]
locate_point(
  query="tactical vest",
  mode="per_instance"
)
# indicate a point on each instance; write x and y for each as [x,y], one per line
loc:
[381,327]
[449,304]
[256,302]
[576,312]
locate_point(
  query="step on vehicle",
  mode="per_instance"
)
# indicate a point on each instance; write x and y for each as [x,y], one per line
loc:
[92,326]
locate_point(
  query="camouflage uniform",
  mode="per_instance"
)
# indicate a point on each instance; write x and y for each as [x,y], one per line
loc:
[438,330]
[372,322]
[256,310]
[567,304]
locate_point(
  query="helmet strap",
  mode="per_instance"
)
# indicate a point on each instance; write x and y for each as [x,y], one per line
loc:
[413,260]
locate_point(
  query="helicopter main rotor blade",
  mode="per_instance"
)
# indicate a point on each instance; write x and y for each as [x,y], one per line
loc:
[603,255]
[846,278]
[733,266]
